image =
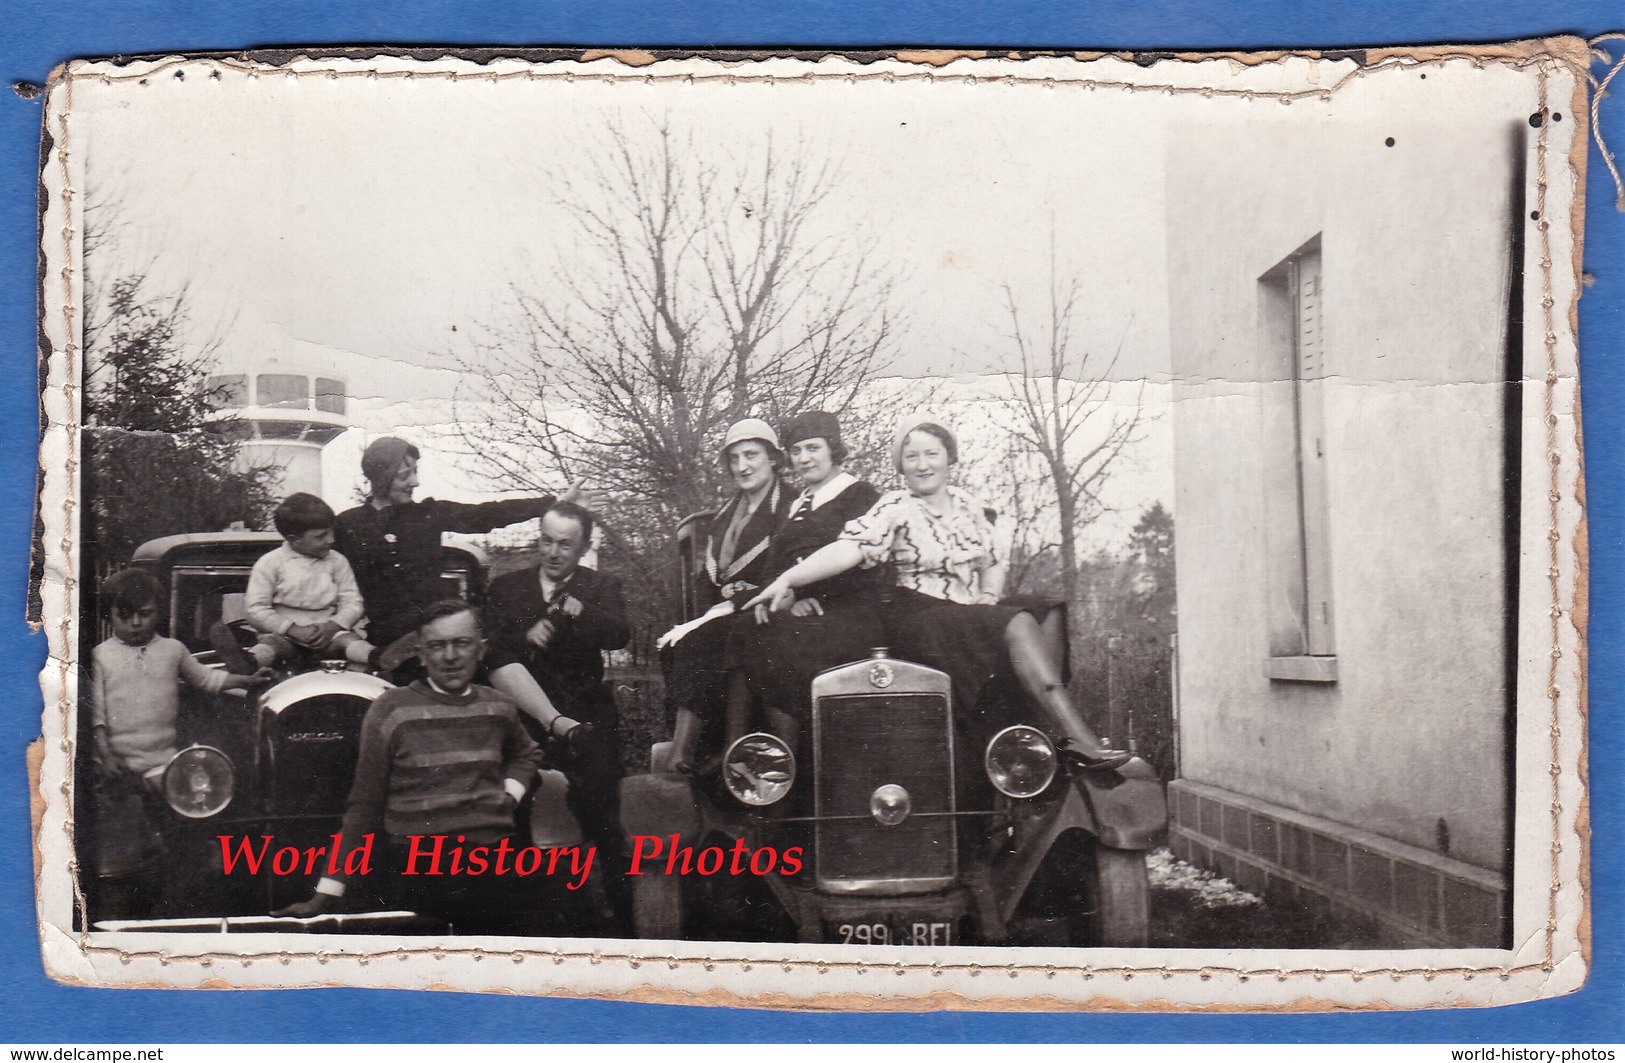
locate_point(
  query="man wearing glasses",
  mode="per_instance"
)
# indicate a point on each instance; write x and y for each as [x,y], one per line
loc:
[443,764]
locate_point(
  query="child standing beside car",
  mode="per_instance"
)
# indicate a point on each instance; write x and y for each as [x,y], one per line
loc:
[134,702]
[302,595]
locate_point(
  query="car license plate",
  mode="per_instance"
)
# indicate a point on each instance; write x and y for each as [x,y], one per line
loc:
[894,930]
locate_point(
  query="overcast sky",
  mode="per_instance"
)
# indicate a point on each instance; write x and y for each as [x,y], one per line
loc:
[372,217]
[373,224]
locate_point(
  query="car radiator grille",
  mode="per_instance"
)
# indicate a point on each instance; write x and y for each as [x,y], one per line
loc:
[867,741]
[313,748]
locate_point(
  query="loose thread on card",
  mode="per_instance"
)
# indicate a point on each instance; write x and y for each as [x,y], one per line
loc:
[1599,89]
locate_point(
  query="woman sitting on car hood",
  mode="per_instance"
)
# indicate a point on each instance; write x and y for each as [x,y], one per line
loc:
[831,622]
[705,693]
[944,611]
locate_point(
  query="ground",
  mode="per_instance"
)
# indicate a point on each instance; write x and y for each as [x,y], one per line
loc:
[1193,908]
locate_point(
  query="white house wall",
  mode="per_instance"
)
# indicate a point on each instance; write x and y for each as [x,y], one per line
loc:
[1409,742]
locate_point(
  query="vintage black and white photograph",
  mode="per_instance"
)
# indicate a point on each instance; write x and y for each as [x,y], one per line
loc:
[817,527]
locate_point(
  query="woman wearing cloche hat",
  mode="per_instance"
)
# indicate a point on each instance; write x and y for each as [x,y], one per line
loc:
[831,622]
[392,541]
[704,694]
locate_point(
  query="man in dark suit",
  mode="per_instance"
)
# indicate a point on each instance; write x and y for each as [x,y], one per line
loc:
[550,625]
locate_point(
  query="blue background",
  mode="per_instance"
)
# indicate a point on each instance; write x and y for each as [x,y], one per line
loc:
[37,36]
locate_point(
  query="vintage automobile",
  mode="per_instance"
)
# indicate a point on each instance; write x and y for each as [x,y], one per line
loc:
[916,824]
[280,762]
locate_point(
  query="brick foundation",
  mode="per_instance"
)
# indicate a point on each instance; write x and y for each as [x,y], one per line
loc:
[1416,897]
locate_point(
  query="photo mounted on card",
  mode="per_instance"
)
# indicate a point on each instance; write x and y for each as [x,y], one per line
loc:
[883,531]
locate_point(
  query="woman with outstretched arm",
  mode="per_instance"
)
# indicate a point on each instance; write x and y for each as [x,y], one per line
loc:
[392,541]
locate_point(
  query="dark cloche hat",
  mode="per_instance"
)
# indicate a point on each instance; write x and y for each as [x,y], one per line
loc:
[383,458]
[814,424]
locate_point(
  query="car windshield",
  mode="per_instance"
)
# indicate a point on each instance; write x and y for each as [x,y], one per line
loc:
[203,595]
[199,599]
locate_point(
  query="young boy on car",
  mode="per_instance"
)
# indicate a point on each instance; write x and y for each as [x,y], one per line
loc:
[302,596]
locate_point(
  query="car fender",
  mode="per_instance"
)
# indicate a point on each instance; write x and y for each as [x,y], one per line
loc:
[1123,809]
[1129,805]
[1038,836]
[551,821]
[660,805]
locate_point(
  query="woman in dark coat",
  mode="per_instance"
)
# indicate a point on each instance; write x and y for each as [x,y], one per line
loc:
[944,610]
[704,693]
[393,542]
[830,622]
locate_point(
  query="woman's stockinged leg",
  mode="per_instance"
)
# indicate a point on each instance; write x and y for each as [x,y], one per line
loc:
[516,681]
[737,722]
[691,724]
[685,739]
[1040,676]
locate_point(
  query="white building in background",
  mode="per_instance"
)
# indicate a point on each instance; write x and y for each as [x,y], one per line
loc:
[1347,317]
[289,409]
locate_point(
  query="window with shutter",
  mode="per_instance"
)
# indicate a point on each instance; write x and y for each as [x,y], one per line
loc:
[1293,359]
[1311,440]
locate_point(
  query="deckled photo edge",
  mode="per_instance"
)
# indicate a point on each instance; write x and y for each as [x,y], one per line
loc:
[72,957]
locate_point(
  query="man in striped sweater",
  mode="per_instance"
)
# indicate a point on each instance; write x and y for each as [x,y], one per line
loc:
[443,764]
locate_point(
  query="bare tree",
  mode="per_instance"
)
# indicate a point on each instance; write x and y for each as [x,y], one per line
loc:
[1063,411]
[695,288]
[1009,477]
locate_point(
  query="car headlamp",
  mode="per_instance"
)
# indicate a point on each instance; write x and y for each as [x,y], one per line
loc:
[759,769]
[1021,761]
[199,782]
